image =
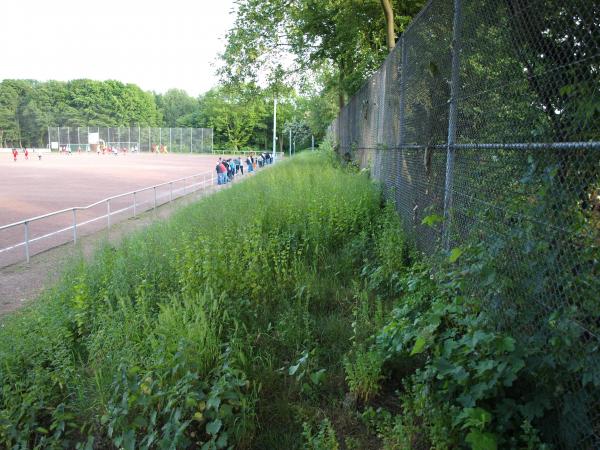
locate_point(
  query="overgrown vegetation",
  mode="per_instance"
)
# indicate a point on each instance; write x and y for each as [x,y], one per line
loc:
[286,312]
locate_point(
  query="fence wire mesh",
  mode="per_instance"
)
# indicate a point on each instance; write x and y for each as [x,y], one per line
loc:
[487,115]
[144,139]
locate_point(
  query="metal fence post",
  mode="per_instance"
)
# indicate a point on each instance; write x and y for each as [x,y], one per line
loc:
[201,140]
[108,213]
[181,139]
[452,118]
[402,132]
[74,226]
[171,191]
[184,186]
[154,198]
[27,240]
[134,204]
[191,139]
[170,139]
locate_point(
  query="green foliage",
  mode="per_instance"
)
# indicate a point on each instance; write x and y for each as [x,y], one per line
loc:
[323,439]
[28,108]
[363,373]
[133,350]
[238,326]
[346,35]
[236,112]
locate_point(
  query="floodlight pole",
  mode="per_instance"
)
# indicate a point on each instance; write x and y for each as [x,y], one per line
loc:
[274,128]
[290,141]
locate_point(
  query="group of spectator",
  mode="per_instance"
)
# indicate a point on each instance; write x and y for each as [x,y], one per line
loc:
[228,168]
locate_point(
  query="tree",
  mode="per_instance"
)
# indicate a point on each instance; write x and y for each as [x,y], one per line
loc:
[29,107]
[9,102]
[349,34]
[236,112]
[175,104]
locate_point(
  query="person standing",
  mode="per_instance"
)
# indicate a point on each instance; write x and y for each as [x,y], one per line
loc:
[219,168]
[26,153]
[15,153]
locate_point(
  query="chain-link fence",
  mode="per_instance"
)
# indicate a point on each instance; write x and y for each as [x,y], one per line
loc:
[486,119]
[143,139]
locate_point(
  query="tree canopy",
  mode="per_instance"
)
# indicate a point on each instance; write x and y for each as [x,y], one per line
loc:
[349,36]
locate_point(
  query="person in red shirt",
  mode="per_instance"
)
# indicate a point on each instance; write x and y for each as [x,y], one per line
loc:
[26,153]
[15,153]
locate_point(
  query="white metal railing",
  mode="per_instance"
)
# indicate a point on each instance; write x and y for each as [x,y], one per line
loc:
[189,186]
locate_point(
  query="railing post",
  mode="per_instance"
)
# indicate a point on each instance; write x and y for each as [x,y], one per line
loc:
[452,119]
[171,192]
[108,213]
[184,186]
[74,226]
[27,240]
[134,204]
[154,198]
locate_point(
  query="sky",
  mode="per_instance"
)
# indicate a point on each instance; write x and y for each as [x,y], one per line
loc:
[157,45]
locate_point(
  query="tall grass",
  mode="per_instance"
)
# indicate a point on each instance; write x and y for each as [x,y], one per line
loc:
[225,325]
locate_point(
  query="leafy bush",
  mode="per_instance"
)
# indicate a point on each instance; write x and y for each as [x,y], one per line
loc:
[363,373]
[323,439]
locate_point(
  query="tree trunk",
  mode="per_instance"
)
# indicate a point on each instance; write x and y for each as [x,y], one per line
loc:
[389,21]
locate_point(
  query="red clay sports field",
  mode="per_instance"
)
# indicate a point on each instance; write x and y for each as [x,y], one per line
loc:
[35,187]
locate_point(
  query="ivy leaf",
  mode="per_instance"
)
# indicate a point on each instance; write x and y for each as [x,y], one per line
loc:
[318,376]
[455,254]
[213,402]
[222,441]
[432,219]
[482,441]
[419,346]
[213,427]
[506,344]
